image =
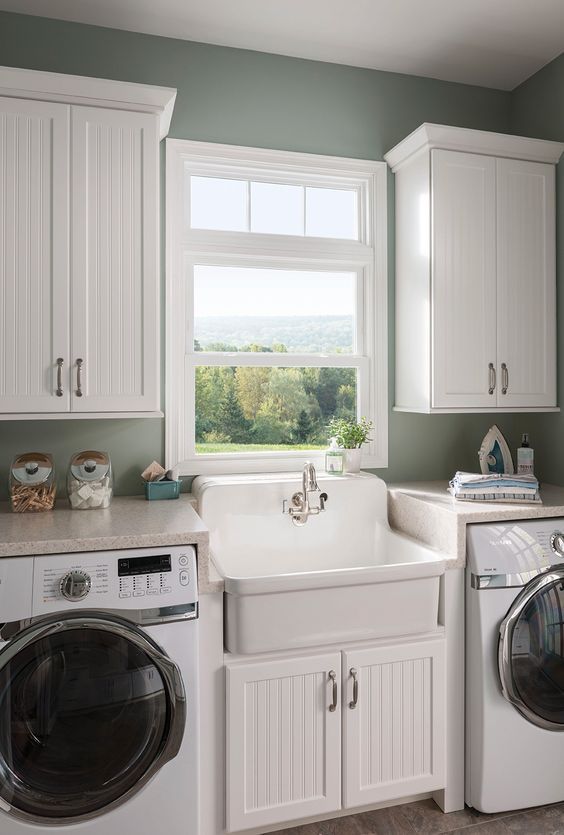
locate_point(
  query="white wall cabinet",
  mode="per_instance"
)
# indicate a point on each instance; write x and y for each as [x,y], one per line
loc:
[79,227]
[300,743]
[475,271]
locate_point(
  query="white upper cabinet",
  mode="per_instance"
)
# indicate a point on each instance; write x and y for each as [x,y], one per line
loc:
[475,271]
[79,237]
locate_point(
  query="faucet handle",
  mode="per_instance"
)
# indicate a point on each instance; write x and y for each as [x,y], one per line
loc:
[322,499]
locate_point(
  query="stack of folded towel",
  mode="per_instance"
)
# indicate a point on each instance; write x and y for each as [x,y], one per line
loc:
[495,487]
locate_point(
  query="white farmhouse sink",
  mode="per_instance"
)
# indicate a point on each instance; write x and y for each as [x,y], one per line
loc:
[343,576]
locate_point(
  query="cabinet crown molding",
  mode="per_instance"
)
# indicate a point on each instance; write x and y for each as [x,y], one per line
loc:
[429,136]
[92,92]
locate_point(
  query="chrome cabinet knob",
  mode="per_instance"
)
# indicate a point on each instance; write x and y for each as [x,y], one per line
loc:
[557,543]
[75,585]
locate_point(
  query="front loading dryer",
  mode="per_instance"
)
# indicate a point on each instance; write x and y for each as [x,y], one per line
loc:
[98,693]
[515,665]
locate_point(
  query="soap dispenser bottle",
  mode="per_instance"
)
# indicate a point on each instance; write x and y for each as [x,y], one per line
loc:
[525,457]
[334,458]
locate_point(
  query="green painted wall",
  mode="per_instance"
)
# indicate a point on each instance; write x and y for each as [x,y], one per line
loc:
[537,109]
[249,98]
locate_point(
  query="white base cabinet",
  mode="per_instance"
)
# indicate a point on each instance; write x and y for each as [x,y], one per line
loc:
[302,741]
[475,271]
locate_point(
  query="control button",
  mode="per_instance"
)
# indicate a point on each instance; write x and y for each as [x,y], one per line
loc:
[75,585]
[183,560]
[125,594]
[557,543]
[184,578]
[152,591]
[138,593]
[165,591]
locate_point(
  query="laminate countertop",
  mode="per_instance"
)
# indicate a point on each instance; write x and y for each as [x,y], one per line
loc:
[426,511]
[129,522]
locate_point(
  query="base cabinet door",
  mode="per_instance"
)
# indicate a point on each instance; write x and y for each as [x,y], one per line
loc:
[283,740]
[394,728]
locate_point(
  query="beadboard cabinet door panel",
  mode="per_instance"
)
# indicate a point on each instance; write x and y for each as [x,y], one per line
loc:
[463,280]
[34,269]
[115,269]
[283,740]
[526,283]
[394,736]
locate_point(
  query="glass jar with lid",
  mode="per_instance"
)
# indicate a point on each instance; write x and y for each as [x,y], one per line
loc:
[32,483]
[89,480]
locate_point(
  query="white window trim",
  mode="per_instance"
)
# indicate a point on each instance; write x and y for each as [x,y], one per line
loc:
[368,255]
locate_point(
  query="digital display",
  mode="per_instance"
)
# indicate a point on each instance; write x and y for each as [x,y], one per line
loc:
[130,566]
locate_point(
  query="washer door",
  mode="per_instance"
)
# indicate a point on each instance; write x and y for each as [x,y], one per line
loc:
[531,651]
[90,709]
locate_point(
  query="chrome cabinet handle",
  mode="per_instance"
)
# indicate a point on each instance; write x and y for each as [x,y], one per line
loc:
[59,389]
[504,378]
[354,674]
[493,378]
[333,678]
[79,363]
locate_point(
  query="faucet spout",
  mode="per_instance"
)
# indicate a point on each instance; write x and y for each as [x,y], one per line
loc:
[309,479]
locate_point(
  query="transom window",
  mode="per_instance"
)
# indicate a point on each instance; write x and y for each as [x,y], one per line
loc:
[276,306]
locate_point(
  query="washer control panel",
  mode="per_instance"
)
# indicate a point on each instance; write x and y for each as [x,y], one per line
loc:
[145,578]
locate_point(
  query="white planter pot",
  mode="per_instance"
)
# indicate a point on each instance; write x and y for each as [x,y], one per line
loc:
[352,460]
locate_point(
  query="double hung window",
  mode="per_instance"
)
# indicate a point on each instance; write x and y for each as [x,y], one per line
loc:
[276,306]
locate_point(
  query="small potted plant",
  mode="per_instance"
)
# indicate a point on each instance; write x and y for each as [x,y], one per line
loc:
[351,435]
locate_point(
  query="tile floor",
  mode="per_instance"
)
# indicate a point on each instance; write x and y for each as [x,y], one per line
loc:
[425,818]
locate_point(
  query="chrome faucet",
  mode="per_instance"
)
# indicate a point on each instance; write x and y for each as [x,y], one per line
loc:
[300,508]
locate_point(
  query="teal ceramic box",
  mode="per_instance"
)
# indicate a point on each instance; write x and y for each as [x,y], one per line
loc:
[162,490]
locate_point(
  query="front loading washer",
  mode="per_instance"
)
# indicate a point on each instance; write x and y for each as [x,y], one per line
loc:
[515,664]
[98,693]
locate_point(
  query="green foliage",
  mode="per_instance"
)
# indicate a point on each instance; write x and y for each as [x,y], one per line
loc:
[350,434]
[270,407]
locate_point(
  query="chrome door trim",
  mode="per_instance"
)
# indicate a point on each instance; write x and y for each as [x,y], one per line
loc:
[140,617]
[508,689]
[169,671]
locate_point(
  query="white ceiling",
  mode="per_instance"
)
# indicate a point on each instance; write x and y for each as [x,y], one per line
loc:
[493,43]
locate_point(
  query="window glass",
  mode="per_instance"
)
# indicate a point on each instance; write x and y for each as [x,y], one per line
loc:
[254,409]
[218,204]
[293,311]
[331,213]
[277,209]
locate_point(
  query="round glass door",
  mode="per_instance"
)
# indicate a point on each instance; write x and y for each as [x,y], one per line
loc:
[90,708]
[531,651]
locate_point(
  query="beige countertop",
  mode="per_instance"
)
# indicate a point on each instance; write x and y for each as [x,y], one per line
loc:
[426,511]
[130,522]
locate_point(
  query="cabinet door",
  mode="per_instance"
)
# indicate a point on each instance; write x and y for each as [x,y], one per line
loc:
[463,280]
[115,269]
[394,737]
[283,740]
[526,298]
[34,275]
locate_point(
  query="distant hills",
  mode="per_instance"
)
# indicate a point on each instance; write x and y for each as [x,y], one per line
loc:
[298,334]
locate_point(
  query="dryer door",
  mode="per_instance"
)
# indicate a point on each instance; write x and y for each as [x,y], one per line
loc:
[531,651]
[90,709]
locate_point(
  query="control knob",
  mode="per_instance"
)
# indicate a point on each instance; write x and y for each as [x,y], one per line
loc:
[75,585]
[557,543]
